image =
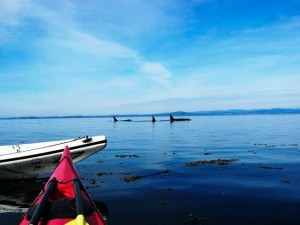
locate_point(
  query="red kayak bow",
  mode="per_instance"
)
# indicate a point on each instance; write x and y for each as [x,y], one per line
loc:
[64,200]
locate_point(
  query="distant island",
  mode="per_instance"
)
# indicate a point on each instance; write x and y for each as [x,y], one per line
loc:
[231,112]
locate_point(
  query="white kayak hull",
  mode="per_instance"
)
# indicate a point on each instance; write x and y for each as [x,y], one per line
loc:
[26,161]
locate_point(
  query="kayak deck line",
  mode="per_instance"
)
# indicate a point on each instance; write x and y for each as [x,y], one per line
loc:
[48,146]
[17,147]
[85,139]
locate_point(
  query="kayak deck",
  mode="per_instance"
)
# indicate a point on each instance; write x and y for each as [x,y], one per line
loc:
[13,151]
[63,199]
[31,160]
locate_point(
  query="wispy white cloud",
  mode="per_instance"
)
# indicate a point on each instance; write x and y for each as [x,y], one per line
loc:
[84,43]
[11,12]
[124,53]
[158,73]
[77,64]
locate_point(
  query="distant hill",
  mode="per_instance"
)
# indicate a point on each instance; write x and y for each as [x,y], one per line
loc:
[226,112]
[249,112]
[232,112]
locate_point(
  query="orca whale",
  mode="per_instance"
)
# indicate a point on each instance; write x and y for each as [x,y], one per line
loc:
[172,119]
[116,120]
[153,119]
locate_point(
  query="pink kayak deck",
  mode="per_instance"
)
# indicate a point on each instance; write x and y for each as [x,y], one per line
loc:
[65,173]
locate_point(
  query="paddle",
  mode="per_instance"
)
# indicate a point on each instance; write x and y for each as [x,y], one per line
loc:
[37,214]
[80,220]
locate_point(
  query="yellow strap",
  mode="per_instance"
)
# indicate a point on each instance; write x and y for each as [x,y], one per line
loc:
[80,220]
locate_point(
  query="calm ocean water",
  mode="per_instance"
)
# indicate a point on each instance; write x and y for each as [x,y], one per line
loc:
[169,173]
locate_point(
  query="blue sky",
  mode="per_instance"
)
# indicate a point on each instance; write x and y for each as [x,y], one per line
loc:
[138,56]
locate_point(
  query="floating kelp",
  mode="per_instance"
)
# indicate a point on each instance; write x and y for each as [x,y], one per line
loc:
[163,201]
[251,151]
[266,145]
[125,173]
[94,186]
[169,153]
[207,153]
[271,168]
[292,147]
[127,156]
[219,162]
[131,179]
[135,178]
[103,174]
[194,217]
[285,181]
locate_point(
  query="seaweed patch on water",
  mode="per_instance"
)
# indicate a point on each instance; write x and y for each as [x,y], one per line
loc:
[103,174]
[131,179]
[251,151]
[169,153]
[125,173]
[163,201]
[135,178]
[127,156]
[219,162]
[293,147]
[265,145]
[285,181]
[271,168]
[196,218]
[94,186]
[207,153]
[273,146]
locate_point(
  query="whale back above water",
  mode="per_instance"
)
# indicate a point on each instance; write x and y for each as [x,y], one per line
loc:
[116,120]
[172,119]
